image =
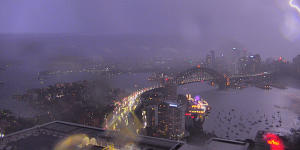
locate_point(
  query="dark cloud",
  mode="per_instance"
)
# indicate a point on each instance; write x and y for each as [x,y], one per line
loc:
[269,27]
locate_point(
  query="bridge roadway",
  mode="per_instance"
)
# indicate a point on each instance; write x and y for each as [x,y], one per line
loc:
[122,110]
[204,74]
[200,79]
[250,75]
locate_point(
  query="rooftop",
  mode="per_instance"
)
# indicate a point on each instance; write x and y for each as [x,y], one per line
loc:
[48,136]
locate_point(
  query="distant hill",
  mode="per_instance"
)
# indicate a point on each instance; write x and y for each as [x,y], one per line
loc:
[117,47]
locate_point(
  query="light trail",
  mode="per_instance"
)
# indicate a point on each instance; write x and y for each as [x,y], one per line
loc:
[293,5]
[119,116]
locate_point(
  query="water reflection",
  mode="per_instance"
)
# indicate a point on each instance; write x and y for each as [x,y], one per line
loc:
[239,114]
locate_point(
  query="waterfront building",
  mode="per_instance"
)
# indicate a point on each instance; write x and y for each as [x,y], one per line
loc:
[163,117]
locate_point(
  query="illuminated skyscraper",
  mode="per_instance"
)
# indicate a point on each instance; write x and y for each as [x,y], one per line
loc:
[163,117]
[171,120]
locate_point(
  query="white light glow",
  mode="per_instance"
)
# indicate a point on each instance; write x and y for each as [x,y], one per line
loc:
[293,5]
[173,105]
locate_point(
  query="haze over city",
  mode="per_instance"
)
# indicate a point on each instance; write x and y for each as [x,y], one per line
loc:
[149,75]
[256,25]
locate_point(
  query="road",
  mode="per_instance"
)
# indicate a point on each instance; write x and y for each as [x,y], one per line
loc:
[123,109]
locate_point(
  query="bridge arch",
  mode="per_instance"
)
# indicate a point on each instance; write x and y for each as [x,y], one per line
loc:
[199,74]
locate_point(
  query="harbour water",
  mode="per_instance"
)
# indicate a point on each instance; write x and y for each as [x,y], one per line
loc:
[235,114]
[239,114]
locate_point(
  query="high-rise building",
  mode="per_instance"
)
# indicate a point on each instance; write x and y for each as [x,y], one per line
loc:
[236,53]
[213,57]
[278,65]
[171,92]
[161,116]
[296,62]
[171,120]
[208,60]
[221,64]
[249,64]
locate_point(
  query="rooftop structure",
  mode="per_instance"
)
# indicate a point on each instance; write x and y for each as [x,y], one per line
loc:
[49,136]
[163,117]
[218,144]
[57,134]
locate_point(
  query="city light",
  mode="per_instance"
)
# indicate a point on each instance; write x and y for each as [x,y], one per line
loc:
[198,105]
[188,114]
[274,141]
[77,140]
[142,75]
[293,5]
[1,135]
[197,111]
[197,98]
[173,105]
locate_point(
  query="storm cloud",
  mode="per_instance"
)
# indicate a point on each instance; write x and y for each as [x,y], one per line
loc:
[269,27]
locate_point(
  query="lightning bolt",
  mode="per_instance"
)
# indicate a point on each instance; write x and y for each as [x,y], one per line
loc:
[291,3]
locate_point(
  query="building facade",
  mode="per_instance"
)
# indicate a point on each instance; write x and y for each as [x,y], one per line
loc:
[296,63]
[161,116]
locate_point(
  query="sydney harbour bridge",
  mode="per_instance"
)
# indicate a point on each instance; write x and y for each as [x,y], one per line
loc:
[199,74]
[127,105]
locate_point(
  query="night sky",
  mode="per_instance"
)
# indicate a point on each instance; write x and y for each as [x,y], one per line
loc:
[269,27]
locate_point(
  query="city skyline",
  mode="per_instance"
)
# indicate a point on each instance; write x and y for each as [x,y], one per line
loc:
[149,75]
